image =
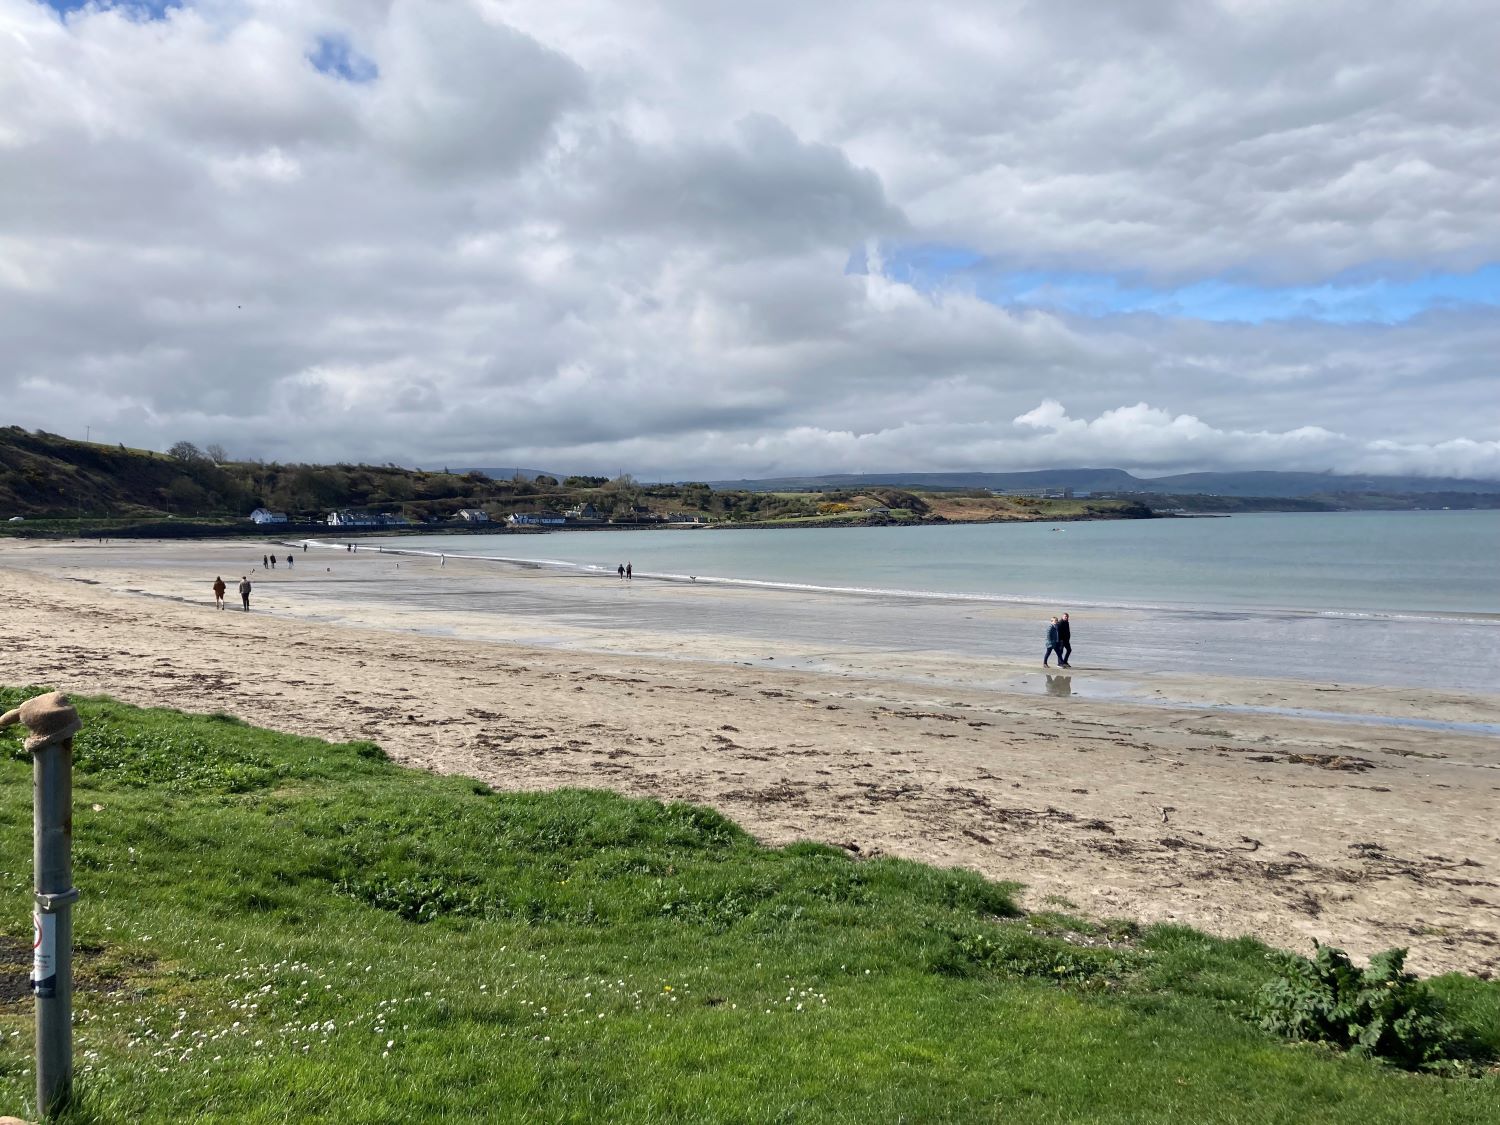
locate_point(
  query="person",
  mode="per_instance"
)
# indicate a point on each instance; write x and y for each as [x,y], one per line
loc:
[1064,641]
[219,589]
[622,571]
[289,560]
[265,562]
[273,562]
[304,548]
[245,592]
[1051,644]
[629,571]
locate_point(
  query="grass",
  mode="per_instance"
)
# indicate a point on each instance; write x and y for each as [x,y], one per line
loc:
[277,929]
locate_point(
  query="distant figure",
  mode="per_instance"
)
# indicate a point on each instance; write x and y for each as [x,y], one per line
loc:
[444,562]
[245,592]
[629,571]
[304,548]
[1064,641]
[273,562]
[1051,644]
[219,589]
[289,560]
[349,546]
[622,572]
[265,562]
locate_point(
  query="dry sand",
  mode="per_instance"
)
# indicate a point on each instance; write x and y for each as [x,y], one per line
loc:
[1283,827]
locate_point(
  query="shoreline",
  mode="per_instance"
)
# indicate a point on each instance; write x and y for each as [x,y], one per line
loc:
[1287,826]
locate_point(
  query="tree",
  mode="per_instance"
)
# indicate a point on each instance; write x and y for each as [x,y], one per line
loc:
[186,451]
[217,453]
[544,481]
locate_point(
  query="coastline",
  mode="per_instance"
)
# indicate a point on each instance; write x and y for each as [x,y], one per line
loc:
[1146,803]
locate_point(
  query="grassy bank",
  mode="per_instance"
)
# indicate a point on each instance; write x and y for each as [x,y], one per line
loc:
[279,929]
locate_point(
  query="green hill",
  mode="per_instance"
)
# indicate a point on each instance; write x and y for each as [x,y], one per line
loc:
[277,929]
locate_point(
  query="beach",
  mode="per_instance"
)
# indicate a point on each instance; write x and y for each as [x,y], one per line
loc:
[1290,809]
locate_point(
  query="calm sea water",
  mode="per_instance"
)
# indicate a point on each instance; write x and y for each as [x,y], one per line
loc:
[1388,563]
[1392,598]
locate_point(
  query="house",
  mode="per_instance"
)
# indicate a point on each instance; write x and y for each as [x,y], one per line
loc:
[348,517]
[878,510]
[473,515]
[536,519]
[391,519]
[265,515]
[582,512]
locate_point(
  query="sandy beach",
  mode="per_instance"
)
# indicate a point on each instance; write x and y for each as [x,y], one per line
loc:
[1110,793]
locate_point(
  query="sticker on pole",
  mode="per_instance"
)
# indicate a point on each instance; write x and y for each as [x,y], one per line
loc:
[44,953]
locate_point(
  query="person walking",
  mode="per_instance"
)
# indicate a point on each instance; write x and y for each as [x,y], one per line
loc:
[219,589]
[265,562]
[245,592]
[629,571]
[1064,641]
[621,571]
[289,561]
[1051,644]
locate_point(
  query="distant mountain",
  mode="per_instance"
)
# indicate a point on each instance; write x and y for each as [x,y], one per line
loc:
[1266,483]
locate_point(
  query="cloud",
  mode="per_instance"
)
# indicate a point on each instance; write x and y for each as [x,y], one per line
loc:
[660,237]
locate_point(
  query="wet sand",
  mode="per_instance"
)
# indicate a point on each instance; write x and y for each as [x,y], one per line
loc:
[1109,793]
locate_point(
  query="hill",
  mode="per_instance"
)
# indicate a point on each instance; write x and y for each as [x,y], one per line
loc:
[277,929]
[46,477]
[1267,484]
[57,485]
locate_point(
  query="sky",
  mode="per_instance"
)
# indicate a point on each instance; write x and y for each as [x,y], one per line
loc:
[691,239]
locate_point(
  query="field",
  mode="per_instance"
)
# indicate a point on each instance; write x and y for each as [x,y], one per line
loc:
[280,929]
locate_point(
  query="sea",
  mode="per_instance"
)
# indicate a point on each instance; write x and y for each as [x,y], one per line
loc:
[1385,598]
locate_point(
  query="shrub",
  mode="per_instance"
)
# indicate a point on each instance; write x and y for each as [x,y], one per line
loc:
[1382,1012]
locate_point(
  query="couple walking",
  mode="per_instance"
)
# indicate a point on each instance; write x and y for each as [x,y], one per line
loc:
[1059,641]
[220,588]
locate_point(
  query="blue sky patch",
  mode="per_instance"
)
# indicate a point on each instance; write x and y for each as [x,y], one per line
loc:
[135,9]
[1369,295]
[334,55]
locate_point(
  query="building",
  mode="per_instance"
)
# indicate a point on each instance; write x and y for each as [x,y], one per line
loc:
[265,515]
[349,517]
[473,515]
[1035,493]
[536,519]
[583,512]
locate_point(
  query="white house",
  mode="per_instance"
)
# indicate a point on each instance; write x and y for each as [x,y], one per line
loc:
[264,515]
[349,518]
[473,515]
[535,519]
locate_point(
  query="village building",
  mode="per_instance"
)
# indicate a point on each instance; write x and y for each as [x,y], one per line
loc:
[473,515]
[536,519]
[265,515]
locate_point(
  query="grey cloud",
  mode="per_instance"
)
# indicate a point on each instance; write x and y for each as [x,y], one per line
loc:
[458,94]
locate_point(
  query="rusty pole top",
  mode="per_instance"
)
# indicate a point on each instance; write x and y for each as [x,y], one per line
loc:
[51,718]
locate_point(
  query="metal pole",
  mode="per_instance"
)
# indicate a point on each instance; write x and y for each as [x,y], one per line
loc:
[52,971]
[53,722]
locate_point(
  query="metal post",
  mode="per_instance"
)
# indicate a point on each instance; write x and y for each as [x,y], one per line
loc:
[52,722]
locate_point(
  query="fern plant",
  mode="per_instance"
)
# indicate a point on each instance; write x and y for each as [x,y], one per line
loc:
[1381,1012]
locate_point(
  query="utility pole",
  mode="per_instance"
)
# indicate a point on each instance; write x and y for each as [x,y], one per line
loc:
[53,722]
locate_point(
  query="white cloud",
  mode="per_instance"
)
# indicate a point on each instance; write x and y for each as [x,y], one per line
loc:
[603,236]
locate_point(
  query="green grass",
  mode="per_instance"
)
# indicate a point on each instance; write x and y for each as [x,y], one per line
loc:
[277,929]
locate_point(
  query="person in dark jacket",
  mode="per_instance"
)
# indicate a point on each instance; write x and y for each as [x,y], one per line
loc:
[1064,641]
[1051,644]
[245,592]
